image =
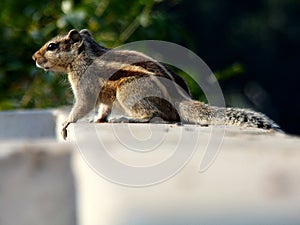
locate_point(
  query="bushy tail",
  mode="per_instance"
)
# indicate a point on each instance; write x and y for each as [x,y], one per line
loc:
[195,112]
[249,118]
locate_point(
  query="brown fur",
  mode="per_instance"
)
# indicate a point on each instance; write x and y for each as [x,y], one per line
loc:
[142,87]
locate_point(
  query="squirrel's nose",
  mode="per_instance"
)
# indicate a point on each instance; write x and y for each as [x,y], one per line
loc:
[34,56]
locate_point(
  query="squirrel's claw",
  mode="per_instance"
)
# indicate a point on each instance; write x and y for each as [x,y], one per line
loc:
[64,131]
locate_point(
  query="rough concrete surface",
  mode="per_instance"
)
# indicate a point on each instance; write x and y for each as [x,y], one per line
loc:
[24,124]
[36,184]
[253,180]
[144,174]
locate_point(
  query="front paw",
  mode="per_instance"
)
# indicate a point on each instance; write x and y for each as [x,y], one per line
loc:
[64,131]
[101,120]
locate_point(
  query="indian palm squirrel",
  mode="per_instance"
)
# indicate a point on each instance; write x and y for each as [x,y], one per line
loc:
[140,86]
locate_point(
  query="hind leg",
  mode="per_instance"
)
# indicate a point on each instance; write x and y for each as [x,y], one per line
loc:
[142,99]
[103,111]
[141,111]
[131,97]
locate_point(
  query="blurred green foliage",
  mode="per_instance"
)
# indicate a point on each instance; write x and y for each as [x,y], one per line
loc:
[226,34]
[25,25]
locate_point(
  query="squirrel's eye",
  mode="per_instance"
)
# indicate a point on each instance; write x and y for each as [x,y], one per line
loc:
[52,46]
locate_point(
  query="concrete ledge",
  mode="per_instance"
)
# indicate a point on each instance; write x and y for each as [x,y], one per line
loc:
[27,124]
[36,184]
[254,180]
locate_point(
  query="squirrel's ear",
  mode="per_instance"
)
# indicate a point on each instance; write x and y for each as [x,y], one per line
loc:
[74,35]
[85,32]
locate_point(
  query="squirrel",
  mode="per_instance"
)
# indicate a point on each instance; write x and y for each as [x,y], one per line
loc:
[130,81]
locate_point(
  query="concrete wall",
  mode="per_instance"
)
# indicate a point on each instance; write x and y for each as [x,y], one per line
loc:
[254,179]
[25,124]
[36,179]
[36,184]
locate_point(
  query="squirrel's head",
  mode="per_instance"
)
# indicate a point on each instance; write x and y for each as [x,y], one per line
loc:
[59,53]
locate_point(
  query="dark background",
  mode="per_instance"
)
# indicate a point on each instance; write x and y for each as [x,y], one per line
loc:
[252,46]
